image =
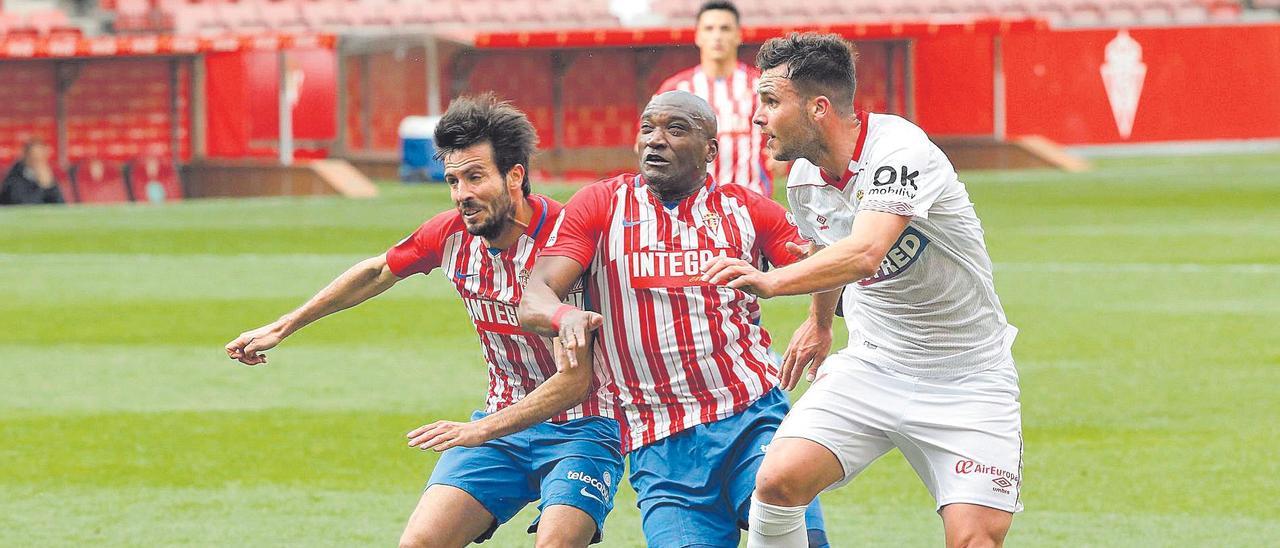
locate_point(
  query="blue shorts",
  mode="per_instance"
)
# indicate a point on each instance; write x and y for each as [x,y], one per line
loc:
[575,463]
[694,488]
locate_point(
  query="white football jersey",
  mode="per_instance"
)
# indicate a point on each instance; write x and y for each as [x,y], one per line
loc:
[931,309]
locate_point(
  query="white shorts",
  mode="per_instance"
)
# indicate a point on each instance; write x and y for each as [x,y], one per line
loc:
[962,435]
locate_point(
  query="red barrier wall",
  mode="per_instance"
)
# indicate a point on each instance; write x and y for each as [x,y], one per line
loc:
[1200,83]
[242,102]
[953,80]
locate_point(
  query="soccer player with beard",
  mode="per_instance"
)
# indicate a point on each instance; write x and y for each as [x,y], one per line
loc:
[691,371]
[929,368]
[543,434]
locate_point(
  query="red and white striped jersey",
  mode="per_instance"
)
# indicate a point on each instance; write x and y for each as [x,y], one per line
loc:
[742,158]
[490,283]
[681,352]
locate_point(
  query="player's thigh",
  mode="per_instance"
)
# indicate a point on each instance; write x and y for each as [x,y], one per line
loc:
[752,434]
[585,483]
[495,474]
[972,525]
[562,525]
[847,412]
[680,491]
[795,471]
[963,437]
[446,516]
[671,523]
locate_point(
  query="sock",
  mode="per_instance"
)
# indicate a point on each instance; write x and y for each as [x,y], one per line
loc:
[776,526]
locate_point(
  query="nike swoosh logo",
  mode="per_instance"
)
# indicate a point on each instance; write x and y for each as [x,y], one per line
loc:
[584,492]
[628,223]
[462,276]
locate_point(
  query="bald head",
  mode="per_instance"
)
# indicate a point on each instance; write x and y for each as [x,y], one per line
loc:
[688,106]
[677,140]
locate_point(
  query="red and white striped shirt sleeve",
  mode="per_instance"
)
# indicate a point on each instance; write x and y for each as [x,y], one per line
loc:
[775,227]
[421,252]
[580,224]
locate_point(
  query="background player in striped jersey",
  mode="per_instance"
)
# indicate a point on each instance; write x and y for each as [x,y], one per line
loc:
[692,372]
[929,367]
[729,86]
[543,434]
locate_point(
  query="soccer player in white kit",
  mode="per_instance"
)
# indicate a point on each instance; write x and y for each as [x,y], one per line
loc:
[928,368]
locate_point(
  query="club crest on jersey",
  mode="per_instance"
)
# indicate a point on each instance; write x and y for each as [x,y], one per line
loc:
[523,278]
[711,220]
[904,253]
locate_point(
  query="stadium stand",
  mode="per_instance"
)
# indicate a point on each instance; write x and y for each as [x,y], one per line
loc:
[219,16]
[99,182]
[153,179]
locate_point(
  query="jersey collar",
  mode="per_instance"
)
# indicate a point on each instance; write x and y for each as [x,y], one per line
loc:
[708,186]
[844,179]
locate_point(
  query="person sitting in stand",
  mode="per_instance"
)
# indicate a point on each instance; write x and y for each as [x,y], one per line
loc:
[31,180]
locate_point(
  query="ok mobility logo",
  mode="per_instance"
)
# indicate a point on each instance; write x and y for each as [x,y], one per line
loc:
[904,253]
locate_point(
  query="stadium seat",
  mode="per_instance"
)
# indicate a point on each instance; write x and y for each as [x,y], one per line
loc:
[65,185]
[46,20]
[97,181]
[377,13]
[282,14]
[153,179]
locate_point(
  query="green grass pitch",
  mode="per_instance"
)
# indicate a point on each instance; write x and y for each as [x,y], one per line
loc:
[1147,293]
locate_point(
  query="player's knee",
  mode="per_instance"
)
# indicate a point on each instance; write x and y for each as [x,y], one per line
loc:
[778,487]
[411,540]
[561,541]
[421,538]
[563,537]
[975,537]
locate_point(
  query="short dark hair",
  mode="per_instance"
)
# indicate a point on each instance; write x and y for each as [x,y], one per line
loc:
[30,144]
[483,118]
[817,64]
[720,5]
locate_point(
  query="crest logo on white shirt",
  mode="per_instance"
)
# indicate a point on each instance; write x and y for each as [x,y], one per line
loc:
[1123,73]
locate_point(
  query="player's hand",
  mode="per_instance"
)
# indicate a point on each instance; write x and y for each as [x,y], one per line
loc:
[809,347]
[443,435]
[737,274]
[801,251]
[574,327]
[250,345]
[561,357]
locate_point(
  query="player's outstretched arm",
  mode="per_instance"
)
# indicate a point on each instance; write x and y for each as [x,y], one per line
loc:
[541,310]
[358,284]
[853,258]
[565,389]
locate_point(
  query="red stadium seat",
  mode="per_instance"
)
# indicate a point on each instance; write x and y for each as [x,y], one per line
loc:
[99,182]
[45,21]
[153,179]
[65,185]
[282,14]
